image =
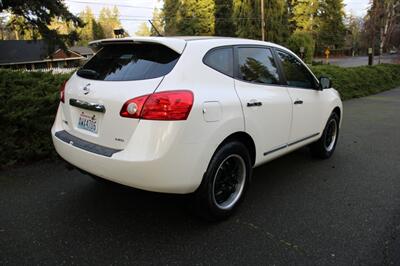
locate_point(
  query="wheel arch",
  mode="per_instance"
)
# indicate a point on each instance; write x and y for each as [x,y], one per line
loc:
[244,138]
[338,111]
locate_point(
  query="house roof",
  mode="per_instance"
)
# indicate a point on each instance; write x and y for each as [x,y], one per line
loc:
[20,51]
[14,51]
[82,50]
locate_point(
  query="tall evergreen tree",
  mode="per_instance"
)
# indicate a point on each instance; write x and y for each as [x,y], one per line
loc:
[247,14]
[170,16]
[196,17]
[331,32]
[109,20]
[158,22]
[304,15]
[277,21]
[224,24]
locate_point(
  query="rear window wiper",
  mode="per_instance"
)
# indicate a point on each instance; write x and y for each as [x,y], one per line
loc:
[90,73]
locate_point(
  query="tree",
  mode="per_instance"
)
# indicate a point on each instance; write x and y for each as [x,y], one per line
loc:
[109,20]
[158,22]
[331,32]
[304,15]
[92,29]
[170,16]
[196,17]
[247,16]
[143,30]
[22,30]
[277,21]
[224,24]
[354,27]
[302,39]
[38,15]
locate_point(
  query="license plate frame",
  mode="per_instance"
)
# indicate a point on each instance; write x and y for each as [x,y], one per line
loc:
[88,122]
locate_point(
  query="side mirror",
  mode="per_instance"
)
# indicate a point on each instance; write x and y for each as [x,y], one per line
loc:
[325,83]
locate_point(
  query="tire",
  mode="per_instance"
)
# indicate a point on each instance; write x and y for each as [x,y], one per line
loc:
[326,145]
[224,183]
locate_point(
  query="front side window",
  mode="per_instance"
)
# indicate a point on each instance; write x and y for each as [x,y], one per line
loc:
[123,62]
[295,72]
[257,65]
[220,59]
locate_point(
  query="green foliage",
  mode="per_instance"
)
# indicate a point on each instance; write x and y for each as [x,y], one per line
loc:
[196,17]
[277,21]
[38,14]
[109,20]
[224,24]
[158,23]
[28,104]
[360,81]
[170,16]
[302,39]
[29,100]
[92,29]
[331,31]
[143,30]
[246,14]
[305,15]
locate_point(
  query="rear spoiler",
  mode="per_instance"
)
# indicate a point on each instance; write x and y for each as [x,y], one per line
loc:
[176,44]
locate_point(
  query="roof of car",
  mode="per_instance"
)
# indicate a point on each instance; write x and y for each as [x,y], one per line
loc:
[178,43]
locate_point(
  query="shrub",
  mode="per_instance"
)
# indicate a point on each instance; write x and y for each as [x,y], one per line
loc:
[29,100]
[302,39]
[28,103]
[361,81]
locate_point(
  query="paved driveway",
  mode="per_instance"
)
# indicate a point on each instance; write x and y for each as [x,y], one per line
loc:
[362,60]
[299,210]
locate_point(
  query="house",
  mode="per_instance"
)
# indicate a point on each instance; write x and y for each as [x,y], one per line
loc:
[20,54]
[84,51]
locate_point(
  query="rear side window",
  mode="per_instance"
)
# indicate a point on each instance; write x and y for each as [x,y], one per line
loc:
[258,65]
[295,72]
[220,59]
[122,62]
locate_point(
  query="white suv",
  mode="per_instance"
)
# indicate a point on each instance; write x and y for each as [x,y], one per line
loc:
[192,114]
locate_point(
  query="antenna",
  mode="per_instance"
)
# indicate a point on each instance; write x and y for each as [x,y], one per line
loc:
[152,25]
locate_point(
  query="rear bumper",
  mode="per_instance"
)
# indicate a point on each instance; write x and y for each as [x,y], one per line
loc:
[157,163]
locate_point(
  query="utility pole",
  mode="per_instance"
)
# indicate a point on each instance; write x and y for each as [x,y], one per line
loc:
[262,21]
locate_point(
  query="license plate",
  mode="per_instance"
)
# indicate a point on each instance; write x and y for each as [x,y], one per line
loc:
[88,122]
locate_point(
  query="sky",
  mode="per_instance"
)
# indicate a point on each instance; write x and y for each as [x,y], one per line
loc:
[135,12]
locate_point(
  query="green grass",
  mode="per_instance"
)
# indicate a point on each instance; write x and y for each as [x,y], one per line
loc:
[29,100]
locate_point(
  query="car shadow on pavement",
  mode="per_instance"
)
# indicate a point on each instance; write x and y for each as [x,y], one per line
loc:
[109,203]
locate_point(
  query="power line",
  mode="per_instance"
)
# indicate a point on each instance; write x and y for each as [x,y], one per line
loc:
[102,3]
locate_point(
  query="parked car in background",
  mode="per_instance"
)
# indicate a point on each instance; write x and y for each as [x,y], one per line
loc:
[192,115]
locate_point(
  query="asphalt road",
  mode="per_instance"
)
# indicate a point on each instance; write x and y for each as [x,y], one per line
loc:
[355,61]
[299,210]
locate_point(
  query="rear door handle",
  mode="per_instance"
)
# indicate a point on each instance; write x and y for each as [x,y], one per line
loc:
[254,103]
[298,102]
[87,105]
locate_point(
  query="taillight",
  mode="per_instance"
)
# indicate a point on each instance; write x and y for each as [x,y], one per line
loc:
[132,108]
[166,105]
[62,91]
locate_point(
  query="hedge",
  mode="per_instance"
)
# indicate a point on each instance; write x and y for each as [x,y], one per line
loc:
[29,100]
[28,103]
[361,81]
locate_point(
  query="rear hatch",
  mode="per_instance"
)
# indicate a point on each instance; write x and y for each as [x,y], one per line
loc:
[117,73]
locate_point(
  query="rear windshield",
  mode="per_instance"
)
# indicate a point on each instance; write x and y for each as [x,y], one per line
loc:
[121,62]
